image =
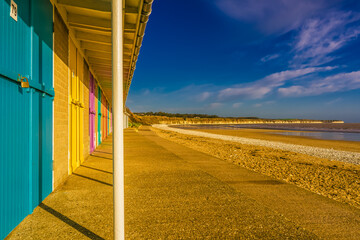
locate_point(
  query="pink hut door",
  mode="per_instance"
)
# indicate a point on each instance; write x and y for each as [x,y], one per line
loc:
[92,114]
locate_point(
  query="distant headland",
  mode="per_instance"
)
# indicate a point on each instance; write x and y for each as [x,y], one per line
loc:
[149,118]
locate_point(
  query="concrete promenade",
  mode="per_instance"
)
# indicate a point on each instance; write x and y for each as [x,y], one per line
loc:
[173,192]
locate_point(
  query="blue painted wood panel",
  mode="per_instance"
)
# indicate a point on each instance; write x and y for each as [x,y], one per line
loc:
[26,120]
[14,155]
[15,39]
[42,43]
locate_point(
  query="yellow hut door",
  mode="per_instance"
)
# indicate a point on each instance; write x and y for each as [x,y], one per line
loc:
[80,73]
[75,111]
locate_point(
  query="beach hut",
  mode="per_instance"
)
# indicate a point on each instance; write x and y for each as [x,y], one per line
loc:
[65,71]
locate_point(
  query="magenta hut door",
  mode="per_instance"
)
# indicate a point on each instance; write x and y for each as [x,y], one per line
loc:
[92,114]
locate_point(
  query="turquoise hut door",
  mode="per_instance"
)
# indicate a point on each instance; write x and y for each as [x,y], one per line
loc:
[26,47]
[99,116]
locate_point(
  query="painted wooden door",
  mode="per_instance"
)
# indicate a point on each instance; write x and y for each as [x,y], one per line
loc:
[26,47]
[81,105]
[73,107]
[92,114]
[104,122]
[96,114]
[99,116]
[77,108]
[108,115]
[106,119]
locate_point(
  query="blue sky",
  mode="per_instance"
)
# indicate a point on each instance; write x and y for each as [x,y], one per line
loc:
[271,59]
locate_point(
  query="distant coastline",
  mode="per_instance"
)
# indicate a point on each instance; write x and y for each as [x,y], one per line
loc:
[149,120]
[168,118]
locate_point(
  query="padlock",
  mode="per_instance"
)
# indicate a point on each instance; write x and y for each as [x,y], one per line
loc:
[24,84]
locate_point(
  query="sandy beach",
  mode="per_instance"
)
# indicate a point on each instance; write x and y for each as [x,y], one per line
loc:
[329,168]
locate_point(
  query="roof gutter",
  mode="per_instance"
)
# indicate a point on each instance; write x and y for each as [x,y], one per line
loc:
[144,18]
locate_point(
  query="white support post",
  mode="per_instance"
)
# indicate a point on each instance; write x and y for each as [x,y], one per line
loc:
[118,119]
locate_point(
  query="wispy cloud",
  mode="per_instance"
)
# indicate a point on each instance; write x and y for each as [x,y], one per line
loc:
[275,16]
[192,92]
[203,96]
[262,87]
[263,104]
[237,105]
[269,57]
[257,105]
[334,101]
[215,105]
[337,83]
[318,38]
[252,92]
[146,92]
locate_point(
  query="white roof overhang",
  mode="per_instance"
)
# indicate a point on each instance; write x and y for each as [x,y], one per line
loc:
[89,23]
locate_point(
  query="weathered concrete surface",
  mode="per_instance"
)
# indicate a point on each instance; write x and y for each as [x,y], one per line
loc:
[169,196]
[81,208]
[173,192]
[324,217]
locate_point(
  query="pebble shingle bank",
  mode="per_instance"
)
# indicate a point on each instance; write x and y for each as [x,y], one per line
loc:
[331,154]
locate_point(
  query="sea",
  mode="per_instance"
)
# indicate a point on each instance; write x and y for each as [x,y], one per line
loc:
[327,131]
